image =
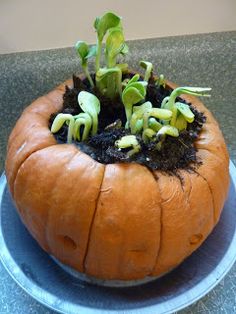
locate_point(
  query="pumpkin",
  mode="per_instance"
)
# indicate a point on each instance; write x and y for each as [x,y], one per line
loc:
[114,221]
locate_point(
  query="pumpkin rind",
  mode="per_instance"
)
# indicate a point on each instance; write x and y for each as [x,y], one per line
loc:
[117,221]
[125,236]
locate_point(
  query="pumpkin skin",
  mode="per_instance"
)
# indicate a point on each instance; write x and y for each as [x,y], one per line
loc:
[115,221]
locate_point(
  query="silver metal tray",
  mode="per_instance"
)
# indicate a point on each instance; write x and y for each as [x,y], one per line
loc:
[46,282]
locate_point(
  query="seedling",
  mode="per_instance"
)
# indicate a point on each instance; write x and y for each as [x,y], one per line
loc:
[59,121]
[102,25]
[85,120]
[169,102]
[142,119]
[132,94]
[85,52]
[90,104]
[129,141]
[148,67]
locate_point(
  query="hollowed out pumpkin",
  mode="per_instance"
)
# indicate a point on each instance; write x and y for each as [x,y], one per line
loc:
[115,221]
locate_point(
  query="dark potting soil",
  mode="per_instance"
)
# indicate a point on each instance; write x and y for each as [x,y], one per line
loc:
[176,153]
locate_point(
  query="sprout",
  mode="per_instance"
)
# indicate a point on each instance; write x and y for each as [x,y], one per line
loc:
[169,103]
[136,121]
[129,141]
[154,124]
[85,52]
[108,81]
[132,94]
[148,134]
[114,44]
[185,111]
[102,25]
[166,130]
[148,67]
[181,123]
[90,104]
[162,114]
[82,119]
[161,81]
[58,122]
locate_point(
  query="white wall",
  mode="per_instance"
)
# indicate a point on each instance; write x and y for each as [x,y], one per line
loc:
[44,24]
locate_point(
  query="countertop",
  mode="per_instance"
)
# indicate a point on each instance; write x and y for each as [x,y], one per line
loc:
[206,60]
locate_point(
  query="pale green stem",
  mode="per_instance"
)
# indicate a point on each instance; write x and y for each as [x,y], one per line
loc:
[98,56]
[95,124]
[85,67]
[128,113]
[58,122]
[174,115]
[87,122]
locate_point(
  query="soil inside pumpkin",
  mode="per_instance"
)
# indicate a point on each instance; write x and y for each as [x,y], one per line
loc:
[176,153]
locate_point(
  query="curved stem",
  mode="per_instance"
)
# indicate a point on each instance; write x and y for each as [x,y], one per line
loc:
[95,124]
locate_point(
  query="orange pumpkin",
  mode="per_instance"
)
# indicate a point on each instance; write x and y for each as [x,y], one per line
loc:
[115,221]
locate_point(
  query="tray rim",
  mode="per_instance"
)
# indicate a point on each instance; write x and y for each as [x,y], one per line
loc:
[182,301]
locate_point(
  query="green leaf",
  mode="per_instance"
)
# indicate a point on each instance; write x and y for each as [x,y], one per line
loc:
[127,141]
[185,111]
[168,130]
[114,45]
[181,123]
[125,49]
[195,91]
[82,49]
[103,24]
[148,67]
[154,124]
[140,109]
[92,52]
[89,103]
[140,86]
[131,95]
[162,114]
[134,79]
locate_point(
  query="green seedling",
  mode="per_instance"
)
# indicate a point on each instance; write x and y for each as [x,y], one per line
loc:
[59,121]
[148,67]
[108,81]
[161,81]
[132,94]
[85,52]
[148,135]
[129,141]
[169,103]
[154,124]
[114,46]
[102,25]
[90,104]
[165,130]
[136,121]
[85,120]
[161,114]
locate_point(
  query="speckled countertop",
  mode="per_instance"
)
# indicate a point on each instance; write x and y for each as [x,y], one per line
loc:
[197,60]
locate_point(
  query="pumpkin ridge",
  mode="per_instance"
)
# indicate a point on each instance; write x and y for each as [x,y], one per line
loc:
[213,201]
[27,156]
[161,221]
[210,188]
[48,212]
[92,222]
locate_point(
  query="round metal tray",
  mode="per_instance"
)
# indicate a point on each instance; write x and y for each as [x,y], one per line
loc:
[48,283]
